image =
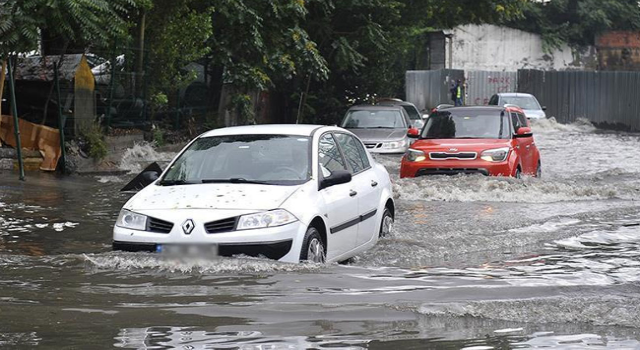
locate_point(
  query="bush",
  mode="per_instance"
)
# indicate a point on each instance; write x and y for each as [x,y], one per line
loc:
[96,144]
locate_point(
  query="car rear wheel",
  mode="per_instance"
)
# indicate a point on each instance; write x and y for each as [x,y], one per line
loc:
[539,171]
[313,247]
[387,223]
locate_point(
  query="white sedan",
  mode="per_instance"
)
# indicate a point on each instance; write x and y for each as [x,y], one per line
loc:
[285,192]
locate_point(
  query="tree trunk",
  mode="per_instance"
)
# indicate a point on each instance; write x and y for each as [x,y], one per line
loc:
[140,59]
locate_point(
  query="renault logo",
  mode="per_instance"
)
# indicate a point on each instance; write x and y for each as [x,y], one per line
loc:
[188,226]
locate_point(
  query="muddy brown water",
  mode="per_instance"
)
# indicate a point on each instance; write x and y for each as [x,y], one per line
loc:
[474,263]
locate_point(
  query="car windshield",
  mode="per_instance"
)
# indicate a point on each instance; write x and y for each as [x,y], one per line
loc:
[374,119]
[467,125]
[263,159]
[524,102]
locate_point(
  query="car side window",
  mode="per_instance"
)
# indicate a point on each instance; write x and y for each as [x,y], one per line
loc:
[494,100]
[329,156]
[354,152]
[515,121]
[523,120]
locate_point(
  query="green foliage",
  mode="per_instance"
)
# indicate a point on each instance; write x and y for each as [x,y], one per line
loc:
[90,21]
[242,105]
[96,143]
[177,34]
[158,136]
[261,42]
[578,22]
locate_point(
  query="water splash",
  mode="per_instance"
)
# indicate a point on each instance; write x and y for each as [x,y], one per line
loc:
[137,157]
[491,189]
[125,261]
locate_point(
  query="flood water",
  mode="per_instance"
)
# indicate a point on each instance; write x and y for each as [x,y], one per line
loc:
[474,262]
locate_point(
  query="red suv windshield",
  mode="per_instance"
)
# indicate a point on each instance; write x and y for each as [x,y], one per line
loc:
[467,124]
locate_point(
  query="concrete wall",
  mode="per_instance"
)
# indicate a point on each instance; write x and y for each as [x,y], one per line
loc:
[494,48]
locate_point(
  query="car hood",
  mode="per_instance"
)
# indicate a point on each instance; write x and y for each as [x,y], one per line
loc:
[379,134]
[448,145]
[211,196]
[534,113]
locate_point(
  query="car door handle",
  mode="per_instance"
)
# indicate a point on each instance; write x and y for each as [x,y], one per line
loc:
[353,193]
[374,184]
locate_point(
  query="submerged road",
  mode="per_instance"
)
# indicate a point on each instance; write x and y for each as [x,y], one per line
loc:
[474,262]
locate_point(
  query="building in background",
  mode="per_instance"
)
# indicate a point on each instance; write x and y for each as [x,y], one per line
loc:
[619,51]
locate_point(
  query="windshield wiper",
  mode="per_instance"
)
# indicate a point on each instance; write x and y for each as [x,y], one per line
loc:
[234,180]
[176,182]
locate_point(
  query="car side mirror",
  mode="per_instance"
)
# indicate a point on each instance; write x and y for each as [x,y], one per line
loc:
[337,177]
[150,176]
[524,132]
[544,108]
[413,133]
[146,177]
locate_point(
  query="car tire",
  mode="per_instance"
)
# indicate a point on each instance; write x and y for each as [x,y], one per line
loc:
[386,224]
[518,174]
[539,171]
[313,249]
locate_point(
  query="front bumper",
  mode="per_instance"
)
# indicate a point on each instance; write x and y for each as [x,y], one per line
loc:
[271,250]
[454,167]
[377,147]
[281,243]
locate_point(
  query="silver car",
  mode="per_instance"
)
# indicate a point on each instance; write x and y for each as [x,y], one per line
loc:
[383,129]
[527,102]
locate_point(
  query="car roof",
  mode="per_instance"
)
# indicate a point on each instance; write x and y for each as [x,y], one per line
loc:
[266,129]
[394,103]
[375,108]
[481,108]
[514,94]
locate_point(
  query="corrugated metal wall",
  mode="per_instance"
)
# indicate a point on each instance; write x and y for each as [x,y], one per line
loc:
[601,97]
[481,85]
[427,89]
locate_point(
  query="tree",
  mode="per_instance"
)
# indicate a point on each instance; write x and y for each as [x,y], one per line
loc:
[177,33]
[578,22]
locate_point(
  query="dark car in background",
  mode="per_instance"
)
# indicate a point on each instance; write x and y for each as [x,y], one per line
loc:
[383,129]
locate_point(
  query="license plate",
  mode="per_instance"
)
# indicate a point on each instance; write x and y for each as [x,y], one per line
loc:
[199,250]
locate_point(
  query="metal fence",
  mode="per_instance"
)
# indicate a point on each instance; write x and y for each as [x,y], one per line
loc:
[427,89]
[481,85]
[601,97]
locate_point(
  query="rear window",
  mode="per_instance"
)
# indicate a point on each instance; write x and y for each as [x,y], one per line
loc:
[467,124]
[374,119]
[524,102]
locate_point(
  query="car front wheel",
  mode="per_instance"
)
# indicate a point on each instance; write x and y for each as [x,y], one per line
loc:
[387,223]
[313,248]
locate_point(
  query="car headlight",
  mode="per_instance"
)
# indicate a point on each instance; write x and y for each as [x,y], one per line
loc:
[394,144]
[134,221]
[495,155]
[271,218]
[413,155]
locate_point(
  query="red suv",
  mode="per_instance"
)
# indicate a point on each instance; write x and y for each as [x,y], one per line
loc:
[494,141]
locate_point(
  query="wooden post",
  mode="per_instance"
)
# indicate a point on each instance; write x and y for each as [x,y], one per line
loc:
[2,77]
[61,118]
[16,127]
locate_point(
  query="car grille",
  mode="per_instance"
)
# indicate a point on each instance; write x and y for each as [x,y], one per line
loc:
[451,171]
[220,226]
[159,226]
[460,156]
[373,145]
